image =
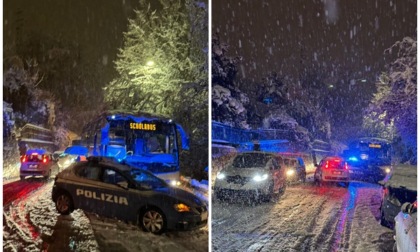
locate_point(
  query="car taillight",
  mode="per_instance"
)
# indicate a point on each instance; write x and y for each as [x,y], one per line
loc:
[23,159]
[385,192]
[326,165]
[45,159]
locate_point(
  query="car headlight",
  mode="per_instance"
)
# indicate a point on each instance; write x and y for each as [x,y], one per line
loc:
[387,170]
[68,162]
[175,182]
[290,172]
[259,178]
[181,207]
[220,175]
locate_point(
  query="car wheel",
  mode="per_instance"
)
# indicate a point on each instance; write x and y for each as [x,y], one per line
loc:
[48,174]
[303,178]
[64,203]
[153,220]
[270,195]
[282,189]
[317,182]
[384,222]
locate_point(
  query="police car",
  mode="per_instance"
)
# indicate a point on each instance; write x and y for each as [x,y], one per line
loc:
[114,190]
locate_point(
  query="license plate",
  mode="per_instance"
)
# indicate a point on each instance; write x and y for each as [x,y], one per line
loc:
[336,173]
[33,166]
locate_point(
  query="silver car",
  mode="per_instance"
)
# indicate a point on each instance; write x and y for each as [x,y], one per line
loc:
[36,162]
[251,175]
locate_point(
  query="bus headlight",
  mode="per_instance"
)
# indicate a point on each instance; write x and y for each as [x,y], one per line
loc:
[290,172]
[220,175]
[259,178]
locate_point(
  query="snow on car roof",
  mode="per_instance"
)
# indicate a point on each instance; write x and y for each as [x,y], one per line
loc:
[403,176]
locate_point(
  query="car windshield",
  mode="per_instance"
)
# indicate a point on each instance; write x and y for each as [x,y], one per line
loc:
[146,180]
[251,160]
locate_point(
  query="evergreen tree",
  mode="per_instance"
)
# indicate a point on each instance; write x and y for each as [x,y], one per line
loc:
[395,101]
[156,60]
[162,70]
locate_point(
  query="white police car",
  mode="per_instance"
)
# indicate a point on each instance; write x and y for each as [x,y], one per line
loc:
[114,190]
[406,228]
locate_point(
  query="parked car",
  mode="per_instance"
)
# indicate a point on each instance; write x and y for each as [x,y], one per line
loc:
[114,190]
[406,228]
[36,162]
[70,155]
[332,169]
[295,169]
[252,175]
[398,187]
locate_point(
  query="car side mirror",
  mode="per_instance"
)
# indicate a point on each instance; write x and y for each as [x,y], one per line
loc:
[407,208]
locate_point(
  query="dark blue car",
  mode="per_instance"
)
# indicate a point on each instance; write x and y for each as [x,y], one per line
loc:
[118,191]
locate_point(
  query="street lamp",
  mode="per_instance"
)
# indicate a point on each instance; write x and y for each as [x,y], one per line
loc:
[150,63]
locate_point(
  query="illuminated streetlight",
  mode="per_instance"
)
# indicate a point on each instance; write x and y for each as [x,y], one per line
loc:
[150,63]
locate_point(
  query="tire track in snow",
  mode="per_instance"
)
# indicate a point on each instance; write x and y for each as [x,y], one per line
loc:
[20,231]
[325,219]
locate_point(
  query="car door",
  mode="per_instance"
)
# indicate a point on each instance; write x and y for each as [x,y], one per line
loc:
[85,188]
[278,173]
[120,198]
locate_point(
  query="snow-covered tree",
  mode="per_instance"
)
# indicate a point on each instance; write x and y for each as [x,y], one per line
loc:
[192,109]
[30,103]
[163,69]
[157,59]
[395,101]
[228,101]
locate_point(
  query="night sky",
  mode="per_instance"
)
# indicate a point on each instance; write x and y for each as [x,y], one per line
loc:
[96,26]
[274,35]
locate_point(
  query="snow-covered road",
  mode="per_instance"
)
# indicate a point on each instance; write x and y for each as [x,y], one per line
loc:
[305,218]
[31,223]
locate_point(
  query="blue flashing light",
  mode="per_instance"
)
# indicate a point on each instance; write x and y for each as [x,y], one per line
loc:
[353,158]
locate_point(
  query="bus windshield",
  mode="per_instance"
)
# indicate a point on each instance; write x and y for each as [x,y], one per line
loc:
[141,141]
[369,151]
